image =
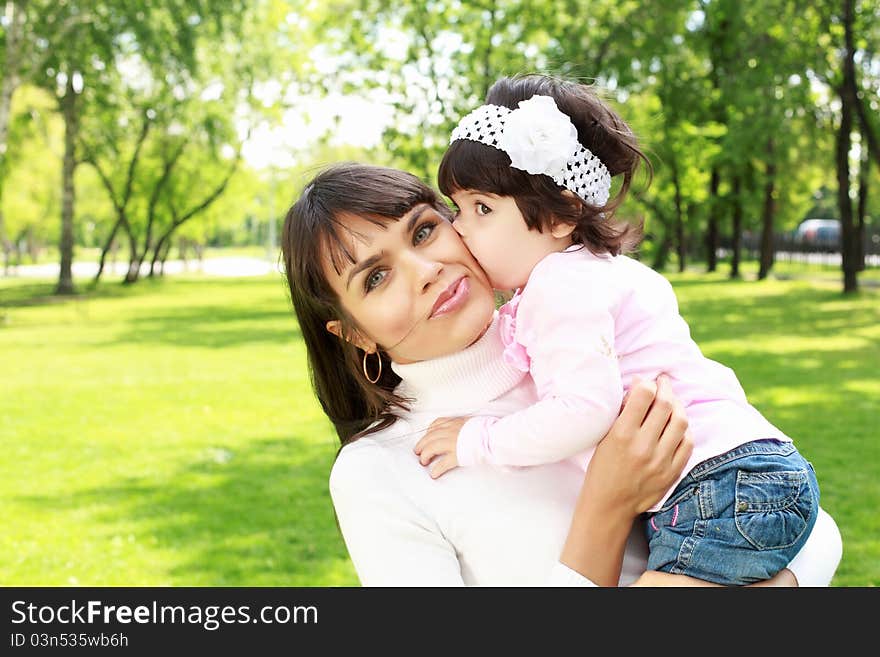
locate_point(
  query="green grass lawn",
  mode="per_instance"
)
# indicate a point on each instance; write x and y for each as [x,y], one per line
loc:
[166,434]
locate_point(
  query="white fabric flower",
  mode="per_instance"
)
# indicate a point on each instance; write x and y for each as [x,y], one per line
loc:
[539,138]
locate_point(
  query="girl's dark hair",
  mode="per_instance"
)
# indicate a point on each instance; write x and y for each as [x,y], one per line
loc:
[470,165]
[311,240]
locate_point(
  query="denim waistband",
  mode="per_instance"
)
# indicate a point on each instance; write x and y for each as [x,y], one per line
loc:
[762,446]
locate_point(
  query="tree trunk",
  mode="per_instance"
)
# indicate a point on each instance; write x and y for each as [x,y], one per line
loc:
[108,245]
[5,243]
[134,269]
[661,255]
[848,99]
[718,29]
[164,258]
[712,228]
[32,245]
[16,248]
[680,240]
[870,140]
[736,236]
[134,266]
[862,208]
[157,251]
[68,111]
[768,248]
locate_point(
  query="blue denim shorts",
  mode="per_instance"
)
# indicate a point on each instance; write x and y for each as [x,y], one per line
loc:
[736,518]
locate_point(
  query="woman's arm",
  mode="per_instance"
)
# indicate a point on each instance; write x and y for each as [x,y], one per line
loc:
[642,455]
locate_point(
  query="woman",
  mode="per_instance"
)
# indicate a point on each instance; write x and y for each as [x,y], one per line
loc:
[400,326]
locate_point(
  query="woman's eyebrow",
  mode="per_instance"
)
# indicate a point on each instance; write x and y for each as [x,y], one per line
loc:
[417,213]
[363,264]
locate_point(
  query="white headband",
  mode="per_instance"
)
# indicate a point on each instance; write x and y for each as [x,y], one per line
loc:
[539,138]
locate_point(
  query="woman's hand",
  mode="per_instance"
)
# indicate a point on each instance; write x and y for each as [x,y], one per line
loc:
[643,453]
[637,461]
[654,578]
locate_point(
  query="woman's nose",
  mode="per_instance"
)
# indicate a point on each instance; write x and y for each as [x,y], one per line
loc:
[426,270]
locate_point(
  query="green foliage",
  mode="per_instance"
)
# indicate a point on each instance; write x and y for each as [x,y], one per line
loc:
[31,210]
[707,85]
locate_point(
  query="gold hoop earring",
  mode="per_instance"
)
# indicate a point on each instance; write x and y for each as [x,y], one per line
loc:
[367,353]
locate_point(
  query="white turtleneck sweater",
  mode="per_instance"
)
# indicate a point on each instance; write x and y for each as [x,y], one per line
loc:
[482,525]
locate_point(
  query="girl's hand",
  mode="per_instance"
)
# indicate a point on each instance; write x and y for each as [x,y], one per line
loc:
[643,453]
[439,443]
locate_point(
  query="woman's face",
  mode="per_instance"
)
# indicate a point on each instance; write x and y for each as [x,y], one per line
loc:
[414,290]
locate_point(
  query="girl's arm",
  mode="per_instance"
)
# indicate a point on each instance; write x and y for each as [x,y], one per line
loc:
[564,334]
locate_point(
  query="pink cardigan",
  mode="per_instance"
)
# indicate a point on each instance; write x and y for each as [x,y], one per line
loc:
[584,326]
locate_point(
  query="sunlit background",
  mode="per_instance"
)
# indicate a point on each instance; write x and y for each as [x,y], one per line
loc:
[156,420]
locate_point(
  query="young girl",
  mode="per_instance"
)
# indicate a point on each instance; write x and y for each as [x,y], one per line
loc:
[530,173]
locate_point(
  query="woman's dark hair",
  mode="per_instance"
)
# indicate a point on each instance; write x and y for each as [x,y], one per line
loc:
[472,165]
[312,239]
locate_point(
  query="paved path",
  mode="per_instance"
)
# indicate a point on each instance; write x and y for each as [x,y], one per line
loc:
[243,266]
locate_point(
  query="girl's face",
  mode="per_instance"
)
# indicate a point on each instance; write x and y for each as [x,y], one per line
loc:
[496,233]
[414,290]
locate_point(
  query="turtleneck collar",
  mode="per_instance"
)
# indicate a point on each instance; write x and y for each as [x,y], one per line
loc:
[461,382]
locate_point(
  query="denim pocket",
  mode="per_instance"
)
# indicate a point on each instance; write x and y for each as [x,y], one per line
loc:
[773,509]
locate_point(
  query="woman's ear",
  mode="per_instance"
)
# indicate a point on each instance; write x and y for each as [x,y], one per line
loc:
[334,326]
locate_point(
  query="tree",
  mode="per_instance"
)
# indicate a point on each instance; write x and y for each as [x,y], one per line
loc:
[70,47]
[844,37]
[167,146]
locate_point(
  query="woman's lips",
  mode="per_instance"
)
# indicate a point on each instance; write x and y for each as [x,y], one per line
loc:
[452,297]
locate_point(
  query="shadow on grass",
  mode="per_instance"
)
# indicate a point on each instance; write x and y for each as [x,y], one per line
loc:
[16,292]
[21,294]
[191,312]
[795,313]
[212,326]
[255,517]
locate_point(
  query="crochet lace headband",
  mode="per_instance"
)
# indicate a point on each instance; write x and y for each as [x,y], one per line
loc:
[539,138]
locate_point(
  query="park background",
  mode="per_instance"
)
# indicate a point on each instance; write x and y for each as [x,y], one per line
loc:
[157,425]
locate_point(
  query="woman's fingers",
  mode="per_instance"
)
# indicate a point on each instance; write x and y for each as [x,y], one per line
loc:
[682,453]
[636,405]
[661,410]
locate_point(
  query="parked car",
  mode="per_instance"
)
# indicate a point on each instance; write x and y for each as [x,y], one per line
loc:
[819,233]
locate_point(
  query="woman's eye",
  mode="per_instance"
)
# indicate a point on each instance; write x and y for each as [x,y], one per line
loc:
[373,279]
[423,232]
[483,209]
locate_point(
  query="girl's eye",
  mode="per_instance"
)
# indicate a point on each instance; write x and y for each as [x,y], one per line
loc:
[483,209]
[423,232]
[374,278]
